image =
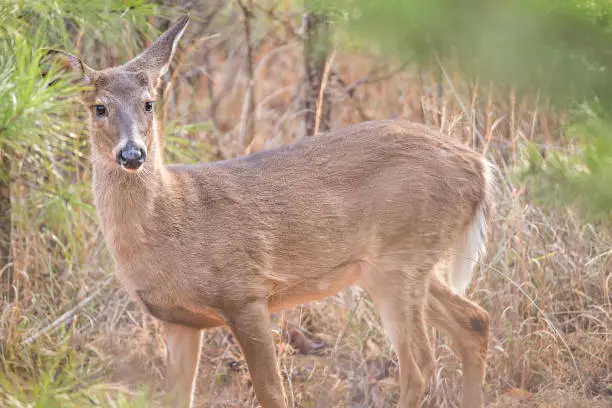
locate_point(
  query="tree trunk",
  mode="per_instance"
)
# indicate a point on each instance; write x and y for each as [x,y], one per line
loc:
[316,50]
[6,267]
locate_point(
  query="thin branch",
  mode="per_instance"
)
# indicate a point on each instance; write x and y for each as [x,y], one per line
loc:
[285,22]
[370,78]
[67,315]
[320,100]
[248,112]
[175,73]
[316,51]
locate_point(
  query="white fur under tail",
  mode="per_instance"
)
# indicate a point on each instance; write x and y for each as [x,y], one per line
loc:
[472,244]
[467,253]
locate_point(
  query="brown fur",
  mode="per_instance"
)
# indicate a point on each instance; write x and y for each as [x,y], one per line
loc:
[376,204]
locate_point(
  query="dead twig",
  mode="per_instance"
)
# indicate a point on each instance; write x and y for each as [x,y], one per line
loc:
[176,71]
[372,77]
[67,315]
[248,110]
[320,100]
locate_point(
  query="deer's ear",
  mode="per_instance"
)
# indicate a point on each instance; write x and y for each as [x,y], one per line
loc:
[66,63]
[156,59]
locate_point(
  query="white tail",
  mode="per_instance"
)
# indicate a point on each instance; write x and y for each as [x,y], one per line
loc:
[471,247]
[375,204]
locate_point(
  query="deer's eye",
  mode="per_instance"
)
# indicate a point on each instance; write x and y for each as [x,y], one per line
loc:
[100,110]
[149,106]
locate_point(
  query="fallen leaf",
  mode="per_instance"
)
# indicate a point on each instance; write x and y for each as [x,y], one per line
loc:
[388,384]
[518,394]
[302,343]
[377,369]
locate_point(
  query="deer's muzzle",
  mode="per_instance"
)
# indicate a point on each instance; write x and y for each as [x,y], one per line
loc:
[131,156]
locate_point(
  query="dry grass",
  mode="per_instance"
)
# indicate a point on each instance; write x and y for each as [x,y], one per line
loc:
[545,281]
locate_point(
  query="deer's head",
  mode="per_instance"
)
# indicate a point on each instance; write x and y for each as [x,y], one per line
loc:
[121,100]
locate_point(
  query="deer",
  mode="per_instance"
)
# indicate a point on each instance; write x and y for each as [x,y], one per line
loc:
[226,243]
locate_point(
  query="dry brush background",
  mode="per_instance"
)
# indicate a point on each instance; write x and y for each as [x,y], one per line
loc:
[74,338]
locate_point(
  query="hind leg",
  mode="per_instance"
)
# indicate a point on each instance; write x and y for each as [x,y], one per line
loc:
[401,296]
[468,325]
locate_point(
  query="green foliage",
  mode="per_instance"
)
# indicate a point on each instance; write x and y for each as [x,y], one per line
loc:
[53,373]
[180,149]
[581,178]
[561,48]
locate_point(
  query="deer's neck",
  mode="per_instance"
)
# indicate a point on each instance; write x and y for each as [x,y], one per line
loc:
[126,201]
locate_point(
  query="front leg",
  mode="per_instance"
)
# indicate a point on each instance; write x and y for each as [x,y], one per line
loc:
[251,327]
[183,356]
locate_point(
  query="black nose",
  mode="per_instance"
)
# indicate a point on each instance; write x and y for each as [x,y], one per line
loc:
[131,156]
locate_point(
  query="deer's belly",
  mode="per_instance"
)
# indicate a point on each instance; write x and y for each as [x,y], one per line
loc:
[288,295]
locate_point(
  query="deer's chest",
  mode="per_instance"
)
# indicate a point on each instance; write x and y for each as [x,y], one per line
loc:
[178,313]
